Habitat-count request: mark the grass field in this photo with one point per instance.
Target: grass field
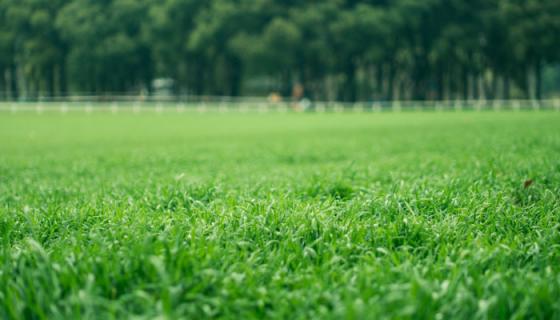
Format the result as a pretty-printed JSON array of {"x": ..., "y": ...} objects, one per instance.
[{"x": 292, "y": 216}]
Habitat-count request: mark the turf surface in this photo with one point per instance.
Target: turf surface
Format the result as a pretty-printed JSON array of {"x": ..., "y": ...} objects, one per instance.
[{"x": 298, "y": 216}]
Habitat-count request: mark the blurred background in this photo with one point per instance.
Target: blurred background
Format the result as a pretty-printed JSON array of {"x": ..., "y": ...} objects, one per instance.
[{"x": 328, "y": 50}]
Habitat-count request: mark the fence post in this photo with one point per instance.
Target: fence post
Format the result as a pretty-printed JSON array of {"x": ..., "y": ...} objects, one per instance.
[
  {"x": 114, "y": 107},
  {"x": 496, "y": 105},
  {"x": 88, "y": 109},
  {"x": 358, "y": 108},
  {"x": 64, "y": 108},
  {"x": 180, "y": 107},
  {"x": 458, "y": 105},
  {"x": 39, "y": 107},
  {"x": 136, "y": 107},
  {"x": 201, "y": 107},
  {"x": 536, "y": 104},
  {"x": 159, "y": 107},
  {"x": 439, "y": 105},
  {"x": 338, "y": 108},
  {"x": 222, "y": 108},
  {"x": 281, "y": 107},
  {"x": 479, "y": 104},
  {"x": 244, "y": 108},
  {"x": 376, "y": 107}
]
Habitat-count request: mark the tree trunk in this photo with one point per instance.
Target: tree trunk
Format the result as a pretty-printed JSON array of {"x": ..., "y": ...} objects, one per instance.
[
  {"x": 199, "y": 81},
  {"x": 14, "y": 90},
  {"x": 507, "y": 88},
  {"x": 3, "y": 91},
  {"x": 286, "y": 83},
  {"x": 465, "y": 83},
  {"x": 391, "y": 82},
  {"x": 350, "y": 82},
  {"x": 50, "y": 79},
  {"x": 420, "y": 76},
  {"x": 494, "y": 87},
  {"x": 440, "y": 83},
  {"x": 234, "y": 77},
  {"x": 475, "y": 87},
  {"x": 379, "y": 82},
  {"x": 525, "y": 82},
  {"x": 62, "y": 78},
  {"x": 538, "y": 80}
]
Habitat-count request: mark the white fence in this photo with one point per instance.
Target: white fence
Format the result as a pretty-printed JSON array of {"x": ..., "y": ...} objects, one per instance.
[{"x": 138, "y": 104}]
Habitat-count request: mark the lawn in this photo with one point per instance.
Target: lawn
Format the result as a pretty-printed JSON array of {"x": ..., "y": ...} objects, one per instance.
[{"x": 435, "y": 215}]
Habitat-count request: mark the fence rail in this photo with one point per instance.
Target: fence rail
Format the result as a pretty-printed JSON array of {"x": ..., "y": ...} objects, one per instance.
[{"x": 258, "y": 104}]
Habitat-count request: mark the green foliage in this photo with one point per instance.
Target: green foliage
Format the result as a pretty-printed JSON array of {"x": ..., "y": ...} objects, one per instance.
[
  {"x": 108, "y": 52},
  {"x": 402, "y": 216},
  {"x": 349, "y": 50}
]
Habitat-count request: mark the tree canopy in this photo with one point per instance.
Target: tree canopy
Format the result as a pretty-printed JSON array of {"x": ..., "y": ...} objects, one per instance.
[{"x": 336, "y": 49}]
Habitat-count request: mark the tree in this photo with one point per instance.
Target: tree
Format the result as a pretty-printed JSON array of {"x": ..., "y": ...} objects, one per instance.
[
  {"x": 337, "y": 49},
  {"x": 107, "y": 50},
  {"x": 38, "y": 51}
]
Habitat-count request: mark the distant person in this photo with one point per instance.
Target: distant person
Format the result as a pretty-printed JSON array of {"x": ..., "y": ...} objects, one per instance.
[
  {"x": 297, "y": 95},
  {"x": 274, "y": 97}
]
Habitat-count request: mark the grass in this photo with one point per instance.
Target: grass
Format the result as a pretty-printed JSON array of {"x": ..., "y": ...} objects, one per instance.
[{"x": 410, "y": 215}]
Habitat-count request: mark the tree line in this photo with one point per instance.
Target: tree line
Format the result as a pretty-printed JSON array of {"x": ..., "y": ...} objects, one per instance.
[{"x": 335, "y": 49}]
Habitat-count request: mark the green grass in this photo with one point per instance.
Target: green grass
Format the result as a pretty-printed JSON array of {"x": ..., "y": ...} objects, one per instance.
[{"x": 290, "y": 216}]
